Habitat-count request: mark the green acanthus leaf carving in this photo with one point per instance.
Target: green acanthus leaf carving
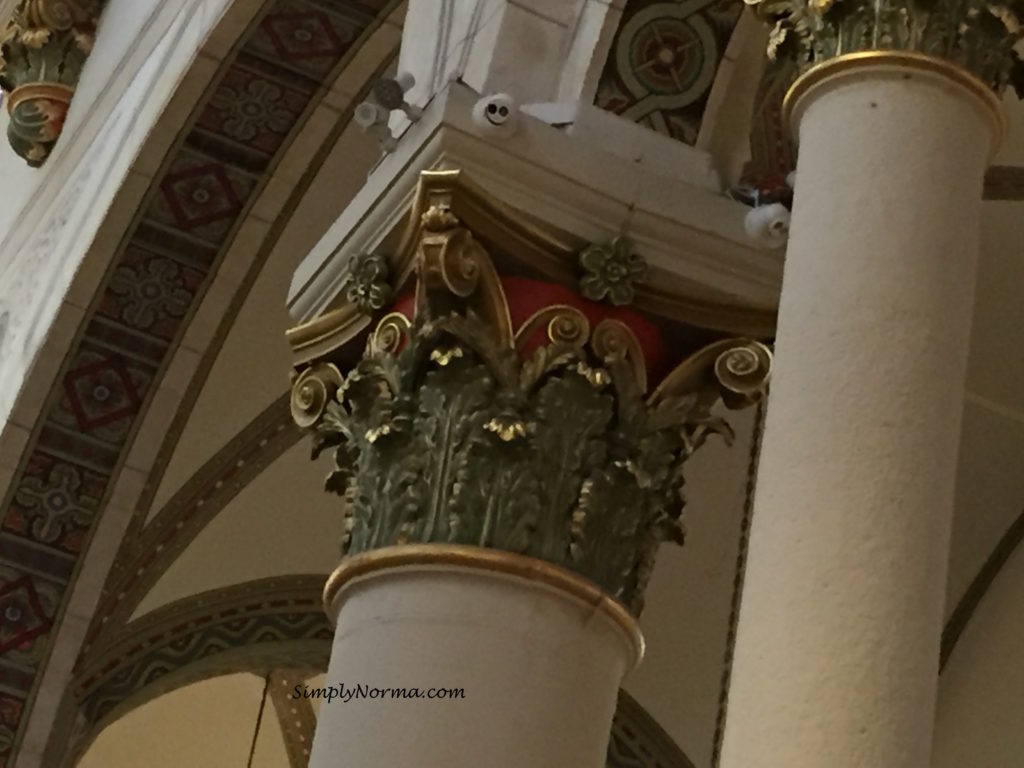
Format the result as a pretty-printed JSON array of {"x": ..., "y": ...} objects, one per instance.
[
  {"x": 976, "y": 35},
  {"x": 562, "y": 464},
  {"x": 448, "y": 431}
]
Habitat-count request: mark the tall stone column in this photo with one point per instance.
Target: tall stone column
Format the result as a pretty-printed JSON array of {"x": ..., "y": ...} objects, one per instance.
[
  {"x": 836, "y": 661},
  {"x": 509, "y": 451}
]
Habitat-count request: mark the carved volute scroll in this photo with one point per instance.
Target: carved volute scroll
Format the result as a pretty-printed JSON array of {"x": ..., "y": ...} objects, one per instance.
[
  {"x": 42, "y": 51},
  {"x": 537, "y": 437}
]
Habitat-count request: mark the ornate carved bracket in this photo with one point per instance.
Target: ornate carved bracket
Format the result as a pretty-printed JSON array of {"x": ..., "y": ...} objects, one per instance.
[
  {"x": 512, "y": 413},
  {"x": 42, "y": 51},
  {"x": 977, "y": 35}
]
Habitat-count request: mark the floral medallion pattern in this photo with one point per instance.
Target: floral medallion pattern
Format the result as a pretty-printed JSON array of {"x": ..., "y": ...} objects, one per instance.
[
  {"x": 156, "y": 279},
  {"x": 150, "y": 292},
  {"x": 610, "y": 271},
  {"x": 57, "y": 507},
  {"x": 663, "y": 63},
  {"x": 251, "y": 108},
  {"x": 367, "y": 285}
]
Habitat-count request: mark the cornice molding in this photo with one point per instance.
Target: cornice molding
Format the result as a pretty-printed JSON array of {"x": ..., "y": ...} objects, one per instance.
[
  {"x": 548, "y": 252},
  {"x": 565, "y": 184}
]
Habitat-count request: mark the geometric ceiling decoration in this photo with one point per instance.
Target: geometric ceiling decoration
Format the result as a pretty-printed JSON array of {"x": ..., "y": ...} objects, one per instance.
[
  {"x": 663, "y": 62},
  {"x": 257, "y": 627}
]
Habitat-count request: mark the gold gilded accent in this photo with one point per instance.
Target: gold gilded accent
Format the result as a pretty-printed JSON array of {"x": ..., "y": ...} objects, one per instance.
[
  {"x": 507, "y": 431},
  {"x": 490, "y": 560},
  {"x": 614, "y": 341},
  {"x": 451, "y": 262},
  {"x": 901, "y": 63},
  {"x": 44, "y": 91},
  {"x": 445, "y": 195},
  {"x": 439, "y": 218},
  {"x": 598, "y": 377},
  {"x": 737, "y": 370},
  {"x": 326, "y": 333},
  {"x": 375, "y": 434},
  {"x": 444, "y": 357},
  {"x": 312, "y": 391},
  {"x": 565, "y": 325},
  {"x": 391, "y": 331}
]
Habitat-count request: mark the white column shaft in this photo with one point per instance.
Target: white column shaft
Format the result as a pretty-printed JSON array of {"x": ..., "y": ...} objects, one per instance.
[
  {"x": 836, "y": 661},
  {"x": 539, "y": 671}
]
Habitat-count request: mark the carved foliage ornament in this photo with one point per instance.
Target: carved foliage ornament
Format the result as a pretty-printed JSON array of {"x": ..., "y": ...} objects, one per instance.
[
  {"x": 42, "y": 51},
  {"x": 610, "y": 271},
  {"x": 367, "y": 285},
  {"x": 450, "y": 431},
  {"x": 978, "y": 35}
]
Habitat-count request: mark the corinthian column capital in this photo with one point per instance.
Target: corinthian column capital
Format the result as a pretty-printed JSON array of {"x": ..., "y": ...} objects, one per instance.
[
  {"x": 976, "y": 36},
  {"x": 506, "y": 412},
  {"x": 43, "y": 48}
]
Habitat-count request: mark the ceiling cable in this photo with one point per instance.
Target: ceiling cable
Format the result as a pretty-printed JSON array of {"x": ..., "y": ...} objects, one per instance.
[{"x": 259, "y": 720}]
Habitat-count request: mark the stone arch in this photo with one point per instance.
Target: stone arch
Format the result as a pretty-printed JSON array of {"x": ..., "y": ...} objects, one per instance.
[{"x": 191, "y": 220}]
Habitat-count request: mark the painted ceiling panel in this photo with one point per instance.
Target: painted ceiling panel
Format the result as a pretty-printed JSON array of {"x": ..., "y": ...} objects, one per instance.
[
  {"x": 281, "y": 523},
  {"x": 663, "y": 63}
]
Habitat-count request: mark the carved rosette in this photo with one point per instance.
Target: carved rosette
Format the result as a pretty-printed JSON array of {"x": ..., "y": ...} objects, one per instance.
[
  {"x": 976, "y": 35},
  {"x": 42, "y": 51},
  {"x": 538, "y": 438}
]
